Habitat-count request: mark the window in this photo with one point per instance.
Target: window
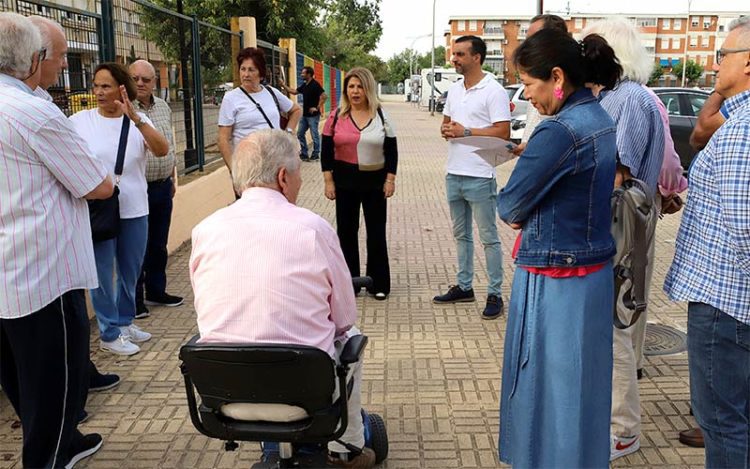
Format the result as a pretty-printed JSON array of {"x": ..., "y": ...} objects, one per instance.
[
  {"x": 707, "y": 23},
  {"x": 646, "y": 22},
  {"x": 694, "y": 21},
  {"x": 677, "y": 24},
  {"x": 704, "y": 41},
  {"x": 677, "y": 43},
  {"x": 579, "y": 23},
  {"x": 672, "y": 103},
  {"x": 473, "y": 25},
  {"x": 665, "y": 44},
  {"x": 665, "y": 23},
  {"x": 693, "y": 41},
  {"x": 696, "y": 102}
]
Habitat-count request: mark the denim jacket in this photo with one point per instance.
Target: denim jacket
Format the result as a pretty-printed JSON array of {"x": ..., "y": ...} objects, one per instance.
[{"x": 560, "y": 188}]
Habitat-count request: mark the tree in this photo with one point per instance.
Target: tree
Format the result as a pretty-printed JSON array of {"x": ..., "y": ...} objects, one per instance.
[
  {"x": 656, "y": 74},
  {"x": 400, "y": 64},
  {"x": 693, "y": 71}
]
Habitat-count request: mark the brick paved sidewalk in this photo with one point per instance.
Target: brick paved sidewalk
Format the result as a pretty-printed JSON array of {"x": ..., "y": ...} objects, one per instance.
[{"x": 433, "y": 372}]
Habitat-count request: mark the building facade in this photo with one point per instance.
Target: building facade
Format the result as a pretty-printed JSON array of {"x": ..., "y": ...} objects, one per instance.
[{"x": 668, "y": 39}]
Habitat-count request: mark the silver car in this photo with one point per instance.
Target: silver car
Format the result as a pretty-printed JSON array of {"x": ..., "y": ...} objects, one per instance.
[{"x": 518, "y": 102}]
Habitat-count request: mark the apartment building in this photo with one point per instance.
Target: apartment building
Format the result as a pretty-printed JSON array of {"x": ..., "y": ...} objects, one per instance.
[{"x": 668, "y": 39}]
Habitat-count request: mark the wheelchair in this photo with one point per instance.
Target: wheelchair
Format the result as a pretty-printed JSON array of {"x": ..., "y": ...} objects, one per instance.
[{"x": 278, "y": 394}]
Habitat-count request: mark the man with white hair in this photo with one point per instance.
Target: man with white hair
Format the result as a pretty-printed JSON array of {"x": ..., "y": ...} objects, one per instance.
[
  {"x": 161, "y": 175},
  {"x": 640, "y": 149},
  {"x": 711, "y": 267},
  {"x": 53, "y": 39},
  {"x": 295, "y": 289},
  {"x": 48, "y": 256}
]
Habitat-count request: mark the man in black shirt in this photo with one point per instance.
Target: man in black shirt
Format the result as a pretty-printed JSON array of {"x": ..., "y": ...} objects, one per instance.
[{"x": 314, "y": 99}]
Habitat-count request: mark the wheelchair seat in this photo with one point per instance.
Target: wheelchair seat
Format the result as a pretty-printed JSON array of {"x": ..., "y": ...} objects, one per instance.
[{"x": 267, "y": 392}]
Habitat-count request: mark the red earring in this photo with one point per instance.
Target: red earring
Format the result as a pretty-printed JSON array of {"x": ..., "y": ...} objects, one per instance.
[{"x": 558, "y": 93}]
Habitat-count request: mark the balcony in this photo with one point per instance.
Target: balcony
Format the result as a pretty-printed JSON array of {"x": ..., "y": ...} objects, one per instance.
[
  {"x": 495, "y": 53},
  {"x": 494, "y": 32}
]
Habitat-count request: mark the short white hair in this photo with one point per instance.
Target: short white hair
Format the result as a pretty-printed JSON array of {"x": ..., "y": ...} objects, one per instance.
[
  {"x": 259, "y": 157},
  {"x": 44, "y": 25},
  {"x": 21, "y": 40},
  {"x": 743, "y": 24},
  {"x": 146, "y": 64},
  {"x": 625, "y": 40}
]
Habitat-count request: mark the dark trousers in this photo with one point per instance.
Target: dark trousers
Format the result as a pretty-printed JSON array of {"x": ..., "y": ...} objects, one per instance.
[
  {"x": 374, "y": 207},
  {"x": 154, "y": 274},
  {"x": 44, "y": 371}
]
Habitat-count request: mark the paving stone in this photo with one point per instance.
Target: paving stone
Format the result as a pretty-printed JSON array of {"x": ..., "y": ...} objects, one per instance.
[{"x": 432, "y": 371}]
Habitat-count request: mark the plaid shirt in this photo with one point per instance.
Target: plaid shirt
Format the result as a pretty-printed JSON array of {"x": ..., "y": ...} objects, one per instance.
[
  {"x": 712, "y": 256},
  {"x": 160, "y": 114}
]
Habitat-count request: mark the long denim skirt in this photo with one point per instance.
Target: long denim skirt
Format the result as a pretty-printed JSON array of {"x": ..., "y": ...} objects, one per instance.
[{"x": 557, "y": 371}]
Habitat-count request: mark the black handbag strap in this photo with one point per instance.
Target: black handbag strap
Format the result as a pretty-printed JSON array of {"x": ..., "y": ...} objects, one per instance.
[
  {"x": 122, "y": 146},
  {"x": 268, "y": 121}
]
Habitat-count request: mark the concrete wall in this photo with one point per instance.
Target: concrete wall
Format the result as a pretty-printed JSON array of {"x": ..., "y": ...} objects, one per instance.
[{"x": 197, "y": 200}]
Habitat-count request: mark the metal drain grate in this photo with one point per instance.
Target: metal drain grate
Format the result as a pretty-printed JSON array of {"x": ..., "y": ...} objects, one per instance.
[{"x": 663, "y": 340}]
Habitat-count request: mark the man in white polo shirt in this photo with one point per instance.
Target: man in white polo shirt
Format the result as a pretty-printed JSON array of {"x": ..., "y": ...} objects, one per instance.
[{"x": 476, "y": 106}]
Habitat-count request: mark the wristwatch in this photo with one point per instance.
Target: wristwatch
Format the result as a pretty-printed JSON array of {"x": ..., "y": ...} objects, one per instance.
[
  {"x": 467, "y": 132},
  {"x": 139, "y": 124}
]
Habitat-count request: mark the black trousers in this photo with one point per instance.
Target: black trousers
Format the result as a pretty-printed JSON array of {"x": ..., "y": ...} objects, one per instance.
[
  {"x": 44, "y": 371},
  {"x": 374, "y": 206},
  {"x": 154, "y": 274}
]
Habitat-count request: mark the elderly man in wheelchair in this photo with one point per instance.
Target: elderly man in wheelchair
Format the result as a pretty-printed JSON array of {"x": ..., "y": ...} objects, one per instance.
[{"x": 278, "y": 358}]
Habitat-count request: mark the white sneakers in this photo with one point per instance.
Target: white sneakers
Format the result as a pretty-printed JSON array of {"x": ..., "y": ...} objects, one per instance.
[
  {"x": 124, "y": 345},
  {"x": 623, "y": 445}
]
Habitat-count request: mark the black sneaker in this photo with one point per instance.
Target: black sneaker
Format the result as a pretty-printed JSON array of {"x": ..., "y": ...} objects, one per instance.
[
  {"x": 455, "y": 295},
  {"x": 165, "y": 299},
  {"x": 314, "y": 158},
  {"x": 494, "y": 307},
  {"x": 83, "y": 447},
  {"x": 101, "y": 382},
  {"x": 82, "y": 417},
  {"x": 141, "y": 311}
]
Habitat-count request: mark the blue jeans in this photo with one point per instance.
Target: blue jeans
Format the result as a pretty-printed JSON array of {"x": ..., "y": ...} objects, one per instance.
[
  {"x": 719, "y": 363},
  {"x": 475, "y": 196},
  {"x": 115, "y": 309},
  {"x": 312, "y": 124}
]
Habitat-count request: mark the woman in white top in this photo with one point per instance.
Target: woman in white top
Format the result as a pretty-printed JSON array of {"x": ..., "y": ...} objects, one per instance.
[
  {"x": 114, "y": 303},
  {"x": 252, "y": 106}
]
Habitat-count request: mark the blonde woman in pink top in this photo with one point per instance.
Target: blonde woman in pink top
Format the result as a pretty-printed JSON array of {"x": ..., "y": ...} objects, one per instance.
[{"x": 359, "y": 160}]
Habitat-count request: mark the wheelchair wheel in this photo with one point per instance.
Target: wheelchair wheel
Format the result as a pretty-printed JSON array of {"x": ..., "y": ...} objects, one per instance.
[{"x": 378, "y": 437}]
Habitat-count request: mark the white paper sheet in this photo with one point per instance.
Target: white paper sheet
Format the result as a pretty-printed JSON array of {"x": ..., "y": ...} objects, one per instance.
[{"x": 493, "y": 150}]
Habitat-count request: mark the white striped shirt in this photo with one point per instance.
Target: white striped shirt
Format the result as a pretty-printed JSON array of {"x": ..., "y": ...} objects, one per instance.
[{"x": 45, "y": 234}]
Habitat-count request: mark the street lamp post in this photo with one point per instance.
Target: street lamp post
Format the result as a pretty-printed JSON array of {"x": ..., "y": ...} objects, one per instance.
[
  {"x": 432, "y": 87},
  {"x": 687, "y": 41},
  {"x": 411, "y": 53}
]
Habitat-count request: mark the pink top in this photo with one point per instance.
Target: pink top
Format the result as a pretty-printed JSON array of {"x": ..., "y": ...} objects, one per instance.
[
  {"x": 264, "y": 270},
  {"x": 671, "y": 180}
]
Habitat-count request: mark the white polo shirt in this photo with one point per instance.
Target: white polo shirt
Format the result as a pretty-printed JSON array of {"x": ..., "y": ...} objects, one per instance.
[{"x": 476, "y": 108}]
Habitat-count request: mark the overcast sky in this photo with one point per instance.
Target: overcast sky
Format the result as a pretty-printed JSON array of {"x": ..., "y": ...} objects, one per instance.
[{"x": 403, "y": 20}]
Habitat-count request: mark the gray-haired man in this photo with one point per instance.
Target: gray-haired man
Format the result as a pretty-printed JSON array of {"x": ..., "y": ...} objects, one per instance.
[{"x": 161, "y": 174}]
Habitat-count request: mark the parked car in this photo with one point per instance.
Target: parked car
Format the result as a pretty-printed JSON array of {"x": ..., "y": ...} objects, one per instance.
[
  {"x": 518, "y": 102},
  {"x": 440, "y": 102},
  {"x": 683, "y": 106},
  {"x": 517, "y": 128}
]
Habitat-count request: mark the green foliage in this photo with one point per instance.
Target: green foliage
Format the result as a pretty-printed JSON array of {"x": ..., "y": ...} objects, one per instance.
[
  {"x": 341, "y": 33},
  {"x": 693, "y": 72},
  {"x": 656, "y": 75},
  {"x": 398, "y": 65}
]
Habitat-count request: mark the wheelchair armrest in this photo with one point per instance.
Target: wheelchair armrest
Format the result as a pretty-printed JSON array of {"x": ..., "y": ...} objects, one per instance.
[{"x": 353, "y": 349}]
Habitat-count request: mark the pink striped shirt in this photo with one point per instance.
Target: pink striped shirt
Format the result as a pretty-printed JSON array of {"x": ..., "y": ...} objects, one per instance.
[
  {"x": 45, "y": 234},
  {"x": 671, "y": 180},
  {"x": 264, "y": 270}
]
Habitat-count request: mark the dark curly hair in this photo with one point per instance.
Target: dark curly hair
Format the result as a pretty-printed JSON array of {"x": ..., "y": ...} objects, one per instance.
[
  {"x": 258, "y": 58},
  {"x": 121, "y": 75}
]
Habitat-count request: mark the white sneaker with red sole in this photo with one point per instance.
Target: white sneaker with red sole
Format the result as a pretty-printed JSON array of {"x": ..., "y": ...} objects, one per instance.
[{"x": 623, "y": 445}]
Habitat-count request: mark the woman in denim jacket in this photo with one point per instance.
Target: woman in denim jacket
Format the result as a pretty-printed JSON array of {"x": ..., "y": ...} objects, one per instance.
[{"x": 557, "y": 369}]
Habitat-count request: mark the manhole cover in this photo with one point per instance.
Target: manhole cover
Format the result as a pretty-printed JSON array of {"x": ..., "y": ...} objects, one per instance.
[{"x": 663, "y": 340}]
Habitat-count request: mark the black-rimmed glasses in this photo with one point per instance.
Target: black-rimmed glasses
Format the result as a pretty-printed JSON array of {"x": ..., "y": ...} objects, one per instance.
[{"x": 722, "y": 52}]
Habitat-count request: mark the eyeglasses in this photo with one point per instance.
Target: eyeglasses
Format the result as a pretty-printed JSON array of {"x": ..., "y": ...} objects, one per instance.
[
  {"x": 42, "y": 54},
  {"x": 145, "y": 80},
  {"x": 722, "y": 52}
]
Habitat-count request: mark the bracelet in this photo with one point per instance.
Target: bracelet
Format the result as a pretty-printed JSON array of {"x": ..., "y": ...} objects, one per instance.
[
  {"x": 139, "y": 124},
  {"x": 392, "y": 182}
]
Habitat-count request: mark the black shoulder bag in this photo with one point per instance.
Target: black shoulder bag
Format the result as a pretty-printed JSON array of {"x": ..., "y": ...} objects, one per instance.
[
  {"x": 275, "y": 99},
  {"x": 105, "y": 214}
]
